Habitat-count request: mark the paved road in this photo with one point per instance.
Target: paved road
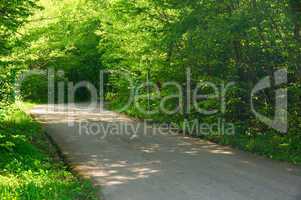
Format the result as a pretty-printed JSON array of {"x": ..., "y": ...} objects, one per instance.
[{"x": 156, "y": 166}]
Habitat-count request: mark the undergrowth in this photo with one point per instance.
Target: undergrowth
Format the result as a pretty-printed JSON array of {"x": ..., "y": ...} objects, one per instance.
[{"x": 29, "y": 168}]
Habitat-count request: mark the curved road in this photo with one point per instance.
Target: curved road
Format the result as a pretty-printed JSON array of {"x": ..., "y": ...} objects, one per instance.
[{"x": 133, "y": 161}]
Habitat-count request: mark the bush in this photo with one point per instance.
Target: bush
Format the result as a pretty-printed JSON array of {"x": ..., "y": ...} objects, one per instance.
[{"x": 35, "y": 88}]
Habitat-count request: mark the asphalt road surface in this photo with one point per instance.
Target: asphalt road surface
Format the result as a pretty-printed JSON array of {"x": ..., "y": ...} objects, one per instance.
[{"x": 131, "y": 160}]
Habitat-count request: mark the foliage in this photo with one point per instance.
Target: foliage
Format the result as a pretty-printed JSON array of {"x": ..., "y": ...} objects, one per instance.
[
  {"x": 34, "y": 88},
  {"x": 61, "y": 41},
  {"x": 27, "y": 171},
  {"x": 13, "y": 15}
]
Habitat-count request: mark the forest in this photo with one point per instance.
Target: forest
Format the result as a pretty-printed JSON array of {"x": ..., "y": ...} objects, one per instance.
[{"x": 228, "y": 42}]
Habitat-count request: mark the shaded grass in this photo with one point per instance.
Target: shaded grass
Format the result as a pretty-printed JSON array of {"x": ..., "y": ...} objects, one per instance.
[
  {"x": 29, "y": 168},
  {"x": 274, "y": 146}
]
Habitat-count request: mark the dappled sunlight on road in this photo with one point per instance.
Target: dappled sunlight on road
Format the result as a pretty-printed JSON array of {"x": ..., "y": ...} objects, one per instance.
[{"x": 116, "y": 173}]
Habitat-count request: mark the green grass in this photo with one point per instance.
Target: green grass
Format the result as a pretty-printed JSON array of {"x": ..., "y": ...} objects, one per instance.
[
  {"x": 29, "y": 168},
  {"x": 24, "y": 106},
  {"x": 271, "y": 145}
]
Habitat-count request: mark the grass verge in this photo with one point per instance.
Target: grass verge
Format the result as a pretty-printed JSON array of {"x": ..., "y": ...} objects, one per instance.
[{"x": 29, "y": 167}]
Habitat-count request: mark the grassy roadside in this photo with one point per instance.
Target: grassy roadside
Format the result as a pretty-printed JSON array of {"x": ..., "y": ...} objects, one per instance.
[{"x": 29, "y": 168}]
